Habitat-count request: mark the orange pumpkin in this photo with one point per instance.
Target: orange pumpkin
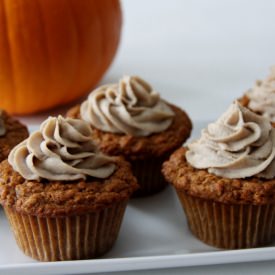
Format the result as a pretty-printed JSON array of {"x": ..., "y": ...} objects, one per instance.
[{"x": 53, "y": 51}]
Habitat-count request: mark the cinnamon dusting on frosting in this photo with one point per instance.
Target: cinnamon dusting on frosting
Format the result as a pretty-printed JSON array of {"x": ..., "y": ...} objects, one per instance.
[
  {"x": 61, "y": 150},
  {"x": 130, "y": 107},
  {"x": 262, "y": 96},
  {"x": 239, "y": 144}
]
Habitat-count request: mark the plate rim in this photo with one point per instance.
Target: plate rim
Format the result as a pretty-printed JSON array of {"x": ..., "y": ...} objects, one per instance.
[{"x": 144, "y": 262}]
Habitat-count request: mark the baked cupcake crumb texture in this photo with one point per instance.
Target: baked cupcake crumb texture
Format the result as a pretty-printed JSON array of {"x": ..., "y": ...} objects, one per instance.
[
  {"x": 133, "y": 147},
  {"x": 55, "y": 198},
  {"x": 200, "y": 183},
  {"x": 14, "y": 132}
]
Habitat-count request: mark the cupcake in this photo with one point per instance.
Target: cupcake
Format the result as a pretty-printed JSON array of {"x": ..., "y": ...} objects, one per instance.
[
  {"x": 261, "y": 98},
  {"x": 63, "y": 198},
  {"x": 130, "y": 119},
  {"x": 225, "y": 180},
  {"x": 11, "y": 133}
]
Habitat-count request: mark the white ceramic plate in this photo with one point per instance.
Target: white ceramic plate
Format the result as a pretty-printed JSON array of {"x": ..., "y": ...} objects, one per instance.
[{"x": 154, "y": 234}]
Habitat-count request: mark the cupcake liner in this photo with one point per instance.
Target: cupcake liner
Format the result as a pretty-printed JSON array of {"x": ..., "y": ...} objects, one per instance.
[
  {"x": 149, "y": 177},
  {"x": 229, "y": 226},
  {"x": 67, "y": 238}
]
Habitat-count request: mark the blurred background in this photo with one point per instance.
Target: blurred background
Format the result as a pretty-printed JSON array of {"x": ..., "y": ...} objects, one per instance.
[
  {"x": 200, "y": 54},
  {"x": 196, "y": 53}
]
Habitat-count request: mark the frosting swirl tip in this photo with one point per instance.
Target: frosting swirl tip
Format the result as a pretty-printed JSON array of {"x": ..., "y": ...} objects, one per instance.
[
  {"x": 62, "y": 149},
  {"x": 262, "y": 96},
  {"x": 239, "y": 144},
  {"x": 130, "y": 107}
]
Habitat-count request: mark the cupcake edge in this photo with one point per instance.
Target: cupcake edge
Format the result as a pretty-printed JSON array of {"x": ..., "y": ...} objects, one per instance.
[{"x": 218, "y": 215}]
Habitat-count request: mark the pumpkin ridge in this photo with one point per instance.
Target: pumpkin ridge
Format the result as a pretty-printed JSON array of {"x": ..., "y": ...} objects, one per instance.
[
  {"x": 48, "y": 45},
  {"x": 77, "y": 38},
  {"x": 102, "y": 37},
  {"x": 96, "y": 71},
  {"x": 8, "y": 39},
  {"x": 101, "y": 45},
  {"x": 45, "y": 39},
  {"x": 65, "y": 73},
  {"x": 109, "y": 49}
]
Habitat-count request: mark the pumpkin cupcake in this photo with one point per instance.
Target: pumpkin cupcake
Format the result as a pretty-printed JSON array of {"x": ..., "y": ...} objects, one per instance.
[
  {"x": 130, "y": 119},
  {"x": 64, "y": 199},
  {"x": 11, "y": 133},
  {"x": 225, "y": 180},
  {"x": 261, "y": 98}
]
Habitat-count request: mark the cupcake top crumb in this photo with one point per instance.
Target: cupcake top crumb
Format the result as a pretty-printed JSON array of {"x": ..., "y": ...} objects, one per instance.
[
  {"x": 130, "y": 107},
  {"x": 200, "y": 183},
  {"x": 133, "y": 147},
  {"x": 56, "y": 198},
  {"x": 13, "y": 134}
]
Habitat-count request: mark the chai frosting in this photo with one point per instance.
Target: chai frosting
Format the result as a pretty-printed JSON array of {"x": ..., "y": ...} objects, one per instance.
[
  {"x": 239, "y": 144},
  {"x": 2, "y": 125},
  {"x": 61, "y": 150},
  {"x": 262, "y": 96},
  {"x": 130, "y": 107}
]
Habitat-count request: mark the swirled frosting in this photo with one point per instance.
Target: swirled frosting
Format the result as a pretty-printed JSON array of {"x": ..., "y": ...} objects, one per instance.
[
  {"x": 262, "y": 96},
  {"x": 239, "y": 144},
  {"x": 2, "y": 125},
  {"x": 61, "y": 150},
  {"x": 130, "y": 107}
]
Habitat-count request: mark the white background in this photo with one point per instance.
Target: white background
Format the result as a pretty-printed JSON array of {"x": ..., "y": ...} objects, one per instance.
[{"x": 200, "y": 55}]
